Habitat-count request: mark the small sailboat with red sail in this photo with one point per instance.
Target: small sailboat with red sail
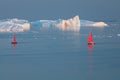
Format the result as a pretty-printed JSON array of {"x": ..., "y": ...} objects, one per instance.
[
  {"x": 14, "y": 40},
  {"x": 90, "y": 39}
]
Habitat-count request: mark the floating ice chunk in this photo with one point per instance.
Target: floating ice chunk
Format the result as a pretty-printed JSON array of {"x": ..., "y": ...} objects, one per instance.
[
  {"x": 109, "y": 36},
  {"x": 98, "y": 24},
  {"x": 92, "y": 23},
  {"x": 118, "y": 35},
  {"x": 70, "y": 24}
]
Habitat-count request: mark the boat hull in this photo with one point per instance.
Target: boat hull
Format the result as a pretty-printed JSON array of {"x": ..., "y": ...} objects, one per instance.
[
  {"x": 14, "y": 42},
  {"x": 91, "y": 43}
]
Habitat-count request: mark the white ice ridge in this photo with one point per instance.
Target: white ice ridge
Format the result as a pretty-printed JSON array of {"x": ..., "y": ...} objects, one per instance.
[
  {"x": 94, "y": 24},
  {"x": 72, "y": 24},
  {"x": 98, "y": 24},
  {"x": 14, "y": 25}
]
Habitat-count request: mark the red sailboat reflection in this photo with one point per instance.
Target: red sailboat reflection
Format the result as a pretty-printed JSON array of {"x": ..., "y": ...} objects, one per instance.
[
  {"x": 90, "y": 39},
  {"x": 90, "y": 60},
  {"x": 14, "y": 45},
  {"x": 90, "y": 47},
  {"x": 14, "y": 41}
]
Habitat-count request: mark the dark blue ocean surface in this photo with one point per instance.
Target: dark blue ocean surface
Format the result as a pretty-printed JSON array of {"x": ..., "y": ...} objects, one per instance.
[{"x": 51, "y": 54}]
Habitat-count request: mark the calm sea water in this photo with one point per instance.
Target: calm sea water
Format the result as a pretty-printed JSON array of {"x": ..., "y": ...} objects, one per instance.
[{"x": 61, "y": 55}]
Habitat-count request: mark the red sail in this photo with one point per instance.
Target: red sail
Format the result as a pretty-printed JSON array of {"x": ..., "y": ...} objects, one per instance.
[
  {"x": 14, "y": 39},
  {"x": 90, "y": 39}
]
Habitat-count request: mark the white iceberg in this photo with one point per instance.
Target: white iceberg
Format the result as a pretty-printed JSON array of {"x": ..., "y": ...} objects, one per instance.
[
  {"x": 14, "y": 25},
  {"x": 70, "y": 24}
]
